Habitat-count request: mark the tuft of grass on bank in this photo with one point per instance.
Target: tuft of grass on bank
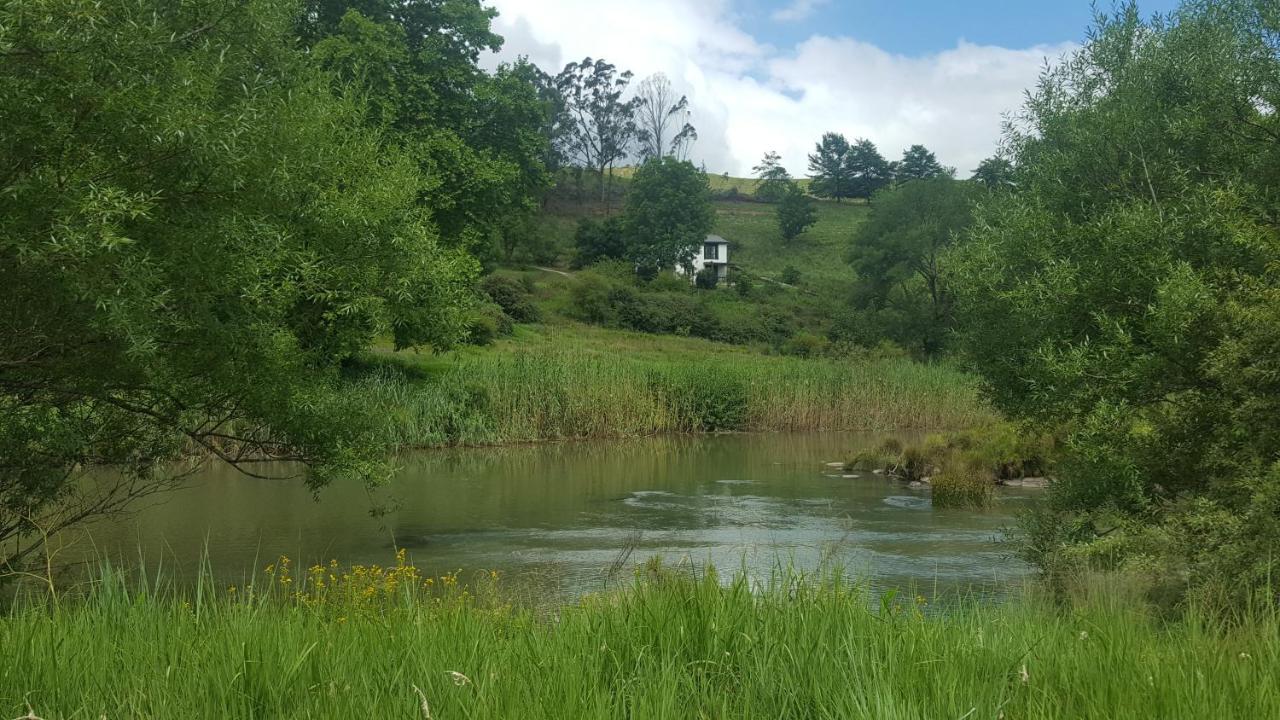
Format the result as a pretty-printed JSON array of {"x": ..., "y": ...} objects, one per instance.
[
  {"x": 673, "y": 646},
  {"x": 560, "y": 384}
]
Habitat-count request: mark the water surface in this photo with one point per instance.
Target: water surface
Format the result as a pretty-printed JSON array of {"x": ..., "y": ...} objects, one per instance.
[{"x": 564, "y": 519}]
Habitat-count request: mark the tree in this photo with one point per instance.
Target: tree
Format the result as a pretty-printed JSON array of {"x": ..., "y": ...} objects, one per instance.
[
  {"x": 596, "y": 241},
  {"x": 662, "y": 121},
  {"x": 775, "y": 181},
  {"x": 189, "y": 254},
  {"x": 829, "y": 170},
  {"x": 867, "y": 170},
  {"x": 899, "y": 255},
  {"x": 668, "y": 214},
  {"x": 1128, "y": 293},
  {"x": 994, "y": 173},
  {"x": 918, "y": 163},
  {"x": 601, "y": 124},
  {"x": 480, "y": 139},
  {"x": 796, "y": 213}
]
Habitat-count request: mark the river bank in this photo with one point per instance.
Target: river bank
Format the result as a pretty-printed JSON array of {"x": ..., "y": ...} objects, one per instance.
[
  {"x": 395, "y": 644},
  {"x": 557, "y": 383}
]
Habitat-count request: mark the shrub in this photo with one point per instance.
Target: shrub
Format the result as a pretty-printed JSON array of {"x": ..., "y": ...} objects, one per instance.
[
  {"x": 596, "y": 241},
  {"x": 805, "y": 345},
  {"x": 790, "y": 275},
  {"x": 707, "y": 279},
  {"x": 486, "y": 323},
  {"x": 744, "y": 285},
  {"x": 963, "y": 483},
  {"x": 591, "y": 297},
  {"x": 669, "y": 282},
  {"x": 512, "y": 296}
]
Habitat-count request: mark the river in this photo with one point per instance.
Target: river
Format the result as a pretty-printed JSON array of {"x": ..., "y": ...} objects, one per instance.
[{"x": 559, "y": 520}]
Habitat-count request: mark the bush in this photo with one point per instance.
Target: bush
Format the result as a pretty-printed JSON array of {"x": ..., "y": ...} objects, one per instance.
[
  {"x": 963, "y": 484},
  {"x": 486, "y": 323},
  {"x": 790, "y": 275},
  {"x": 669, "y": 282},
  {"x": 707, "y": 279},
  {"x": 596, "y": 241},
  {"x": 591, "y": 295},
  {"x": 512, "y": 296},
  {"x": 805, "y": 345},
  {"x": 743, "y": 284}
]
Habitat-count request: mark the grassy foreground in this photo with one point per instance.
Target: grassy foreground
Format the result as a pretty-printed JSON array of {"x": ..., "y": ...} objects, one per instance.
[
  {"x": 581, "y": 383},
  {"x": 399, "y": 646}
]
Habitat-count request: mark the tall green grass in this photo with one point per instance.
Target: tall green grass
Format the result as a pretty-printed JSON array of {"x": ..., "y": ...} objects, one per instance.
[
  {"x": 671, "y": 647},
  {"x": 569, "y": 393}
]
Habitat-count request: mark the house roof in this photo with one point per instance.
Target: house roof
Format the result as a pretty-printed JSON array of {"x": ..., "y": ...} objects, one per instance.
[{"x": 717, "y": 240}]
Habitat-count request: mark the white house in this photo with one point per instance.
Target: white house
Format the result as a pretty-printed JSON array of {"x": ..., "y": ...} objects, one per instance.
[{"x": 714, "y": 253}]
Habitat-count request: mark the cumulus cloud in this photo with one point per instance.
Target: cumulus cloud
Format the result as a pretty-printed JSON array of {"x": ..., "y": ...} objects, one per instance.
[
  {"x": 798, "y": 10},
  {"x": 749, "y": 97}
]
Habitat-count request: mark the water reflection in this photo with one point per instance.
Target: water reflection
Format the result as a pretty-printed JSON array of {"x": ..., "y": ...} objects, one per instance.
[{"x": 559, "y": 518}]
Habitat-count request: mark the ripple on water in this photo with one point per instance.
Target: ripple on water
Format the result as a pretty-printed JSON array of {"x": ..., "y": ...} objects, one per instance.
[{"x": 907, "y": 502}]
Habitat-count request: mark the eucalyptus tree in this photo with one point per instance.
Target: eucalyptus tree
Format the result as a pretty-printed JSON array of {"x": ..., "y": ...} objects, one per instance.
[
  {"x": 601, "y": 126},
  {"x": 662, "y": 120},
  {"x": 196, "y": 232}
]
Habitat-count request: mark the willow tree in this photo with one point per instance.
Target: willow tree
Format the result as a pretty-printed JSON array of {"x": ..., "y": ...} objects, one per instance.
[
  {"x": 1128, "y": 289},
  {"x": 196, "y": 231}
]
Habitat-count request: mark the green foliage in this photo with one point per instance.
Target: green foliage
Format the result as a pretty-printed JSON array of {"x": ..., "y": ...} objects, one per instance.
[
  {"x": 512, "y": 296},
  {"x": 899, "y": 255},
  {"x": 795, "y": 213},
  {"x": 195, "y": 232},
  {"x": 790, "y": 275},
  {"x": 596, "y": 241},
  {"x": 676, "y": 643},
  {"x": 1128, "y": 290},
  {"x": 963, "y": 485},
  {"x": 481, "y": 140},
  {"x": 805, "y": 345},
  {"x": 995, "y": 173},
  {"x": 668, "y": 214},
  {"x": 867, "y": 169},
  {"x": 707, "y": 278},
  {"x": 828, "y": 166},
  {"x": 598, "y": 126},
  {"x": 775, "y": 181},
  {"x": 919, "y": 163},
  {"x": 592, "y": 383},
  {"x": 486, "y": 322}
]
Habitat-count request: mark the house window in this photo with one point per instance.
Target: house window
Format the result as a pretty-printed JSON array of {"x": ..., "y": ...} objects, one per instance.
[{"x": 711, "y": 251}]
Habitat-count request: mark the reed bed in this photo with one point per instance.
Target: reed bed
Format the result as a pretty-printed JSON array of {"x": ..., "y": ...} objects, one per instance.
[
  {"x": 554, "y": 394},
  {"x": 393, "y": 645}
]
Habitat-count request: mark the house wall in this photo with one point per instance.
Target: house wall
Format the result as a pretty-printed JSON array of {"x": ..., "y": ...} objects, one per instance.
[{"x": 700, "y": 261}]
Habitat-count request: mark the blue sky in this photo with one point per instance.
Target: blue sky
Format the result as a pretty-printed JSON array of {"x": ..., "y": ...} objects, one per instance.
[
  {"x": 774, "y": 75},
  {"x": 914, "y": 27}
]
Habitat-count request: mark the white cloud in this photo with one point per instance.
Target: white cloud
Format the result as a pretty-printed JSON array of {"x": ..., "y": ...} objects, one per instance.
[
  {"x": 749, "y": 98},
  {"x": 798, "y": 10}
]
